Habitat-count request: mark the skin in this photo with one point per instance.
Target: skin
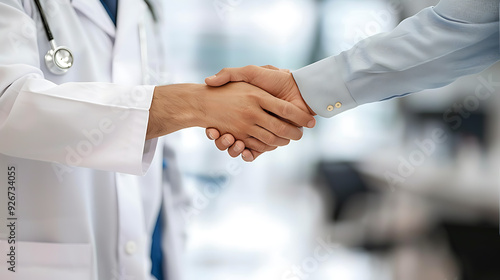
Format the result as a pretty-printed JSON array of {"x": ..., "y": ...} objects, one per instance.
[
  {"x": 247, "y": 112},
  {"x": 277, "y": 82}
]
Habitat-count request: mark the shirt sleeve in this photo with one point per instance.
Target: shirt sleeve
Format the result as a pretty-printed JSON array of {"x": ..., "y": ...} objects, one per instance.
[
  {"x": 429, "y": 50},
  {"x": 87, "y": 124}
]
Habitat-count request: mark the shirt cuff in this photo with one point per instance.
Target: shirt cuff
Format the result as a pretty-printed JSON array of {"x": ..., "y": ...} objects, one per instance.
[
  {"x": 323, "y": 89},
  {"x": 469, "y": 11},
  {"x": 149, "y": 145}
]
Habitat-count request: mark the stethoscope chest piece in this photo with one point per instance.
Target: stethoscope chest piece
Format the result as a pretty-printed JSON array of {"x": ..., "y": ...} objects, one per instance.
[{"x": 58, "y": 59}]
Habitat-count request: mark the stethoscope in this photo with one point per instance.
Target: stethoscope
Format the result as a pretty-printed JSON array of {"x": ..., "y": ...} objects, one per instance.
[{"x": 59, "y": 59}]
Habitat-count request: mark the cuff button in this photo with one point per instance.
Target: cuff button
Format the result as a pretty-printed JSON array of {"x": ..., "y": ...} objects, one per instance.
[
  {"x": 338, "y": 105},
  {"x": 329, "y": 108}
]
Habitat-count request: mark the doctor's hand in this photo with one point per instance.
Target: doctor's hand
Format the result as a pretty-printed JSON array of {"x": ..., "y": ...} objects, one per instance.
[
  {"x": 279, "y": 83},
  {"x": 243, "y": 110}
]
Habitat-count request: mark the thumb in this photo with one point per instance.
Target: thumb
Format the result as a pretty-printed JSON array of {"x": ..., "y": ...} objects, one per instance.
[
  {"x": 217, "y": 80},
  {"x": 270, "y": 67},
  {"x": 223, "y": 77},
  {"x": 227, "y": 75}
]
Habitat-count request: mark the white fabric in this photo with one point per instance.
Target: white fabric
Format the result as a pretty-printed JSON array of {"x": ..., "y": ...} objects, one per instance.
[{"x": 77, "y": 142}]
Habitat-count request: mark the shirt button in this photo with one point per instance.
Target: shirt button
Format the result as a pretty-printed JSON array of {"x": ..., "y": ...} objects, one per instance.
[
  {"x": 338, "y": 105},
  {"x": 130, "y": 247},
  {"x": 329, "y": 108}
]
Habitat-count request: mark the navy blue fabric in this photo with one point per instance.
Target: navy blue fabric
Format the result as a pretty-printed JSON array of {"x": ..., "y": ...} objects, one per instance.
[
  {"x": 156, "y": 252},
  {"x": 111, "y": 7}
]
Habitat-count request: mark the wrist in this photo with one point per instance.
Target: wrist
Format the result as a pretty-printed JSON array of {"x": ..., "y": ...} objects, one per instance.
[
  {"x": 296, "y": 87},
  {"x": 174, "y": 107}
]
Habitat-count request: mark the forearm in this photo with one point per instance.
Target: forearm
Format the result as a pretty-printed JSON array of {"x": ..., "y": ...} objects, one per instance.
[
  {"x": 428, "y": 50},
  {"x": 94, "y": 125}
]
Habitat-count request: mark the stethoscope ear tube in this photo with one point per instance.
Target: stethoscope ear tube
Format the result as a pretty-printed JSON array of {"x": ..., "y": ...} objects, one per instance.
[
  {"x": 58, "y": 59},
  {"x": 44, "y": 21}
]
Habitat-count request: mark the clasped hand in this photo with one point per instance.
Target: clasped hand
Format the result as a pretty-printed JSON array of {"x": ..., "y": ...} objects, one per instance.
[
  {"x": 242, "y": 110},
  {"x": 277, "y": 82}
]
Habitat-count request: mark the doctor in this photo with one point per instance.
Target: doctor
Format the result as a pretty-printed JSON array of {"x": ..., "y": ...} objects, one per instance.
[{"x": 78, "y": 126}]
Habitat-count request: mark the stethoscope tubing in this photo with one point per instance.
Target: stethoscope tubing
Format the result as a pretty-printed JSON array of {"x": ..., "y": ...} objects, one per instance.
[
  {"x": 44, "y": 21},
  {"x": 61, "y": 66}
]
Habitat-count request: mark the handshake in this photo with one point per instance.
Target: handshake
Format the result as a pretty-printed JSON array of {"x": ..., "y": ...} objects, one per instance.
[{"x": 248, "y": 110}]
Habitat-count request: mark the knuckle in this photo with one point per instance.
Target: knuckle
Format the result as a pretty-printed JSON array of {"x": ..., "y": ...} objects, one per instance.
[
  {"x": 248, "y": 113},
  {"x": 262, "y": 147},
  {"x": 282, "y": 129},
  {"x": 287, "y": 109},
  {"x": 226, "y": 72},
  {"x": 251, "y": 67},
  {"x": 257, "y": 145},
  {"x": 250, "y": 72},
  {"x": 271, "y": 139},
  {"x": 272, "y": 67}
]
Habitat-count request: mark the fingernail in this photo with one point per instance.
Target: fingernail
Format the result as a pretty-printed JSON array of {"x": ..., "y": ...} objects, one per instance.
[
  {"x": 212, "y": 77},
  {"x": 237, "y": 147},
  {"x": 248, "y": 158},
  {"x": 311, "y": 124},
  {"x": 210, "y": 136},
  {"x": 225, "y": 141},
  {"x": 245, "y": 157}
]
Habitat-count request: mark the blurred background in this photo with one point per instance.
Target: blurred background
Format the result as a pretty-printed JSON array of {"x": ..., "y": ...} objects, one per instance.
[{"x": 401, "y": 189}]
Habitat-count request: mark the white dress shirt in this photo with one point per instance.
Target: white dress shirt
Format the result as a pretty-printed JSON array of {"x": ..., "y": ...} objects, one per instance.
[{"x": 429, "y": 50}]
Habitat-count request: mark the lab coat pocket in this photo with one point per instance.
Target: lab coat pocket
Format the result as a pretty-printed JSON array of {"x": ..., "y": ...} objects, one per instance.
[{"x": 45, "y": 261}]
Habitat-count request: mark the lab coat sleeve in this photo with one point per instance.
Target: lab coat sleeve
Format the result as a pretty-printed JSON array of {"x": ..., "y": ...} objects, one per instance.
[
  {"x": 94, "y": 125},
  {"x": 429, "y": 50}
]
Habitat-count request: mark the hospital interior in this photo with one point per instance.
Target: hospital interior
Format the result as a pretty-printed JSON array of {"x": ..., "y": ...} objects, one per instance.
[{"x": 396, "y": 190}]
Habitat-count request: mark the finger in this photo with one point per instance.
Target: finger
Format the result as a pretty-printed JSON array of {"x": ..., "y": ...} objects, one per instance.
[
  {"x": 267, "y": 137},
  {"x": 212, "y": 133},
  {"x": 270, "y": 67},
  {"x": 218, "y": 79},
  {"x": 224, "y": 142},
  {"x": 226, "y": 75},
  {"x": 281, "y": 128},
  {"x": 276, "y": 68},
  {"x": 257, "y": 145},
  {"x": 287, "y": 111},
  {"x": 248, "y": 156},
  {"x": 236, "y": 149}
]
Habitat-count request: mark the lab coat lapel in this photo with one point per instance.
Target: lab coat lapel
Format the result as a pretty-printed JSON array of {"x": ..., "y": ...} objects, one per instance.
[
  {"x": 94, "y": 10},
  {"x": 127, "y": 52}
]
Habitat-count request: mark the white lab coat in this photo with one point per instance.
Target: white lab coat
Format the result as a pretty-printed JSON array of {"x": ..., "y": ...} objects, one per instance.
[{"x": 77, "y": 144}]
